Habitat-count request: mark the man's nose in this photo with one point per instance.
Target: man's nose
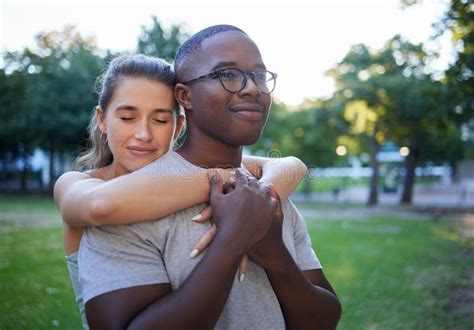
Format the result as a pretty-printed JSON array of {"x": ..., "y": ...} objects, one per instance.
[{"x": 250, "y": 87}]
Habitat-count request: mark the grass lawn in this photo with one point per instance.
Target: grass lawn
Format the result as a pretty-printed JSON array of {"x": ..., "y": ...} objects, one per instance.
[
  {"x": 391, "y": 273},
  {"x": 388, "y": 273}
]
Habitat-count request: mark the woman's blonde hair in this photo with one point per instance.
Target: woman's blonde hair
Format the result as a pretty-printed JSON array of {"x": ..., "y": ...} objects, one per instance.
[{"x": 135, "y": 66}]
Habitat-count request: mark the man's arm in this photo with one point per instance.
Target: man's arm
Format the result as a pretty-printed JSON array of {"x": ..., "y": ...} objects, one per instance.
[
  {"x": 306, "y": 298},
  {"x": 199, "y": 301}
]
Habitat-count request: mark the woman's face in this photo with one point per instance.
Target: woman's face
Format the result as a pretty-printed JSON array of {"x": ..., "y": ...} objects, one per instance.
[{"x": 140, "y": 123}]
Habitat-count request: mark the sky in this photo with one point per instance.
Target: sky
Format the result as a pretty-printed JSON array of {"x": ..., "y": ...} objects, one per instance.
[{"x": 300, "y": 39}]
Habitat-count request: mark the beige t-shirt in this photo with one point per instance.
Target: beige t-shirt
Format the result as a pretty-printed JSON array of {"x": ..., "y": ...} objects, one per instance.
[{"x": 116, "y": 257}]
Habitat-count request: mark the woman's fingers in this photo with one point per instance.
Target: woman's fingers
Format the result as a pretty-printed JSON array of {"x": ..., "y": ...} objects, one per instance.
[
  {"x": 204, "y": 241},
  {"x": 204, "y": 215},
  {"x": 243, "y": 267}
]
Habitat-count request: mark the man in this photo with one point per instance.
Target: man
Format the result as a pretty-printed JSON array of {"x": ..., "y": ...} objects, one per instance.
[{"x": 141, "y": 276}]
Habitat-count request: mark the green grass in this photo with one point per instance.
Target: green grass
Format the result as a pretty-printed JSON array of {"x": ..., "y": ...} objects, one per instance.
[
  {"x": 388, "y": 273},
  {"x": 391, "y": 273},
  {"x": 36, "y": 292}
]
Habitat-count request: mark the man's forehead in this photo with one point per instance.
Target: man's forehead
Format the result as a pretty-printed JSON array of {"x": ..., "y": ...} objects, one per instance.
[
  {"x": 225, "y": 40},
  {"x": 230, "y": 47}
]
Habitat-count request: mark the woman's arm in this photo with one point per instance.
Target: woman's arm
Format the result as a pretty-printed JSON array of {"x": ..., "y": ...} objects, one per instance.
[
  {"x": 84, "y": 200},
  {"x": 285, "y": 173}
]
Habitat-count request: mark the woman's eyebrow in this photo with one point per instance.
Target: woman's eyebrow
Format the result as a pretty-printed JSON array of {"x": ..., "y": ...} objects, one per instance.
[
  {"x": 126, "y": 107},
  {"x": 160, "y": 110}
]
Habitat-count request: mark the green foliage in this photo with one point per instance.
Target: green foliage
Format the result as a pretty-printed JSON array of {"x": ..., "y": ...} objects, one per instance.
[
  {"x": 309, "y": 133},
  {"x": 15, "y": 138},
  {"x": 49, "y": 97},
  {"x": 459, "y": 101},
  {"x": 459, "y": 19},
  {"x": 157, "y": 41},
  {"x": 390, "y": 94}
]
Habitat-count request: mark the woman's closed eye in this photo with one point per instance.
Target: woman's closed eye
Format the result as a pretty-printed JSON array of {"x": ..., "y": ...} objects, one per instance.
[
  {"x": 160, "y": 121},
  {"x": 126, "y": 118}
]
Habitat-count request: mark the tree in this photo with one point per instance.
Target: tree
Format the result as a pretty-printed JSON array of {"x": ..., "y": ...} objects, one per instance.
[
  {"x": 157, "y": 41},
  {"x": 363, "y": 99},
  {"x": 309, "y": 133},
  {"x": 390, "y": 94},
  {"x": 418, "y": 111},
  {"x": 459, "y": 20},
  {"x": 59, "y": 75},
  {"x": 16, "y": 140}
]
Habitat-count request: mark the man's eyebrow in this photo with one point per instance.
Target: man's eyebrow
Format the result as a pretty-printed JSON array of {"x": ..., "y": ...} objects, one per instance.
[
  {"x": 224, "y": 64},
  {"x": 227, "y": 64}
]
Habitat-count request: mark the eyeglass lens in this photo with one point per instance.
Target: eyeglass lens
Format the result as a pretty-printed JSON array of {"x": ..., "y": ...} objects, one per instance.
[{"x": 235, "y": 80}]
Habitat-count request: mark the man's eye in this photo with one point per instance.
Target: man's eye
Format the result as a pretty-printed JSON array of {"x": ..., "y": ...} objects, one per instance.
[
  {"x": 228, "y": 75},
  {"x": 261, "y": 76}
]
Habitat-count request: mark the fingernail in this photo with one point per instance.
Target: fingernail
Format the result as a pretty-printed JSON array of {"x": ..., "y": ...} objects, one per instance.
[
  {"x": 241, "y": 278},
  {"x": 194, "y": 253},
  {"x": 197, "y": 217}
]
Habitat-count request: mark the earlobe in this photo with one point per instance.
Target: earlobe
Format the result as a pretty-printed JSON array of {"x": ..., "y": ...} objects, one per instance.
[
  {"x": 182, "y": 95},
  {"x": 100, "y": 118},
  {"x": 179, "y": 126}
]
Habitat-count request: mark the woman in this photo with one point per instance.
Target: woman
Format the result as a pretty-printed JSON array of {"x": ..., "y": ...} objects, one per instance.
[{"x": 135, "y": 123}]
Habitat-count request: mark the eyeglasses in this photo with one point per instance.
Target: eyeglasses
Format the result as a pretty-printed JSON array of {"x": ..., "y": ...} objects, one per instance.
[{"x": 234, "y": 80}]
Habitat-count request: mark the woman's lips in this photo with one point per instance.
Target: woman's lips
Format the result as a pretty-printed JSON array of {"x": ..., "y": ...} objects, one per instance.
[{"x": 140, "y": 151}]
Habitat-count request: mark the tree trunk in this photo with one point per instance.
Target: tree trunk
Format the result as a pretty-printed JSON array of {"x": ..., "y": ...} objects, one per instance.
[
  {"x": 374, "y": 163},
  {"x": 24, "y": 173},
  {"x": 409, "y": 181},
  {"x": 60, "y": 161},
  {"x": 307, "y": 188},
  {"x": 52, "y": 169}
]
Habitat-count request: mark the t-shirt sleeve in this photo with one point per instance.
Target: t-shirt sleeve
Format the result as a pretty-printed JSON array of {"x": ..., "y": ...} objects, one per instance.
[
  {"x": 306, "y": 258},
  {"x": 118, "y": 257}
]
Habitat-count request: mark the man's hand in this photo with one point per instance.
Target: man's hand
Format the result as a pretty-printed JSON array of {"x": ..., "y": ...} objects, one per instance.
[
  {"x": 266, "y": 251},
  {"x": 248, "y": 210}
]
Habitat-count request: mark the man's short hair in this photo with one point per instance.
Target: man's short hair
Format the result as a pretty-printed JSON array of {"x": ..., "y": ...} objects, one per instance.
[{"x": 193, "y": 44}]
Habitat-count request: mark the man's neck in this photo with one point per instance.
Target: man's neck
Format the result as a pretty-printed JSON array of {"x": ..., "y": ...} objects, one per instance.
[{"x": 209, "y": 153}]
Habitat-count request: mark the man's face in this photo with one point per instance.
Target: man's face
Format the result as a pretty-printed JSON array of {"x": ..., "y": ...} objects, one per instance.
[{"x": 236, "y": 119}]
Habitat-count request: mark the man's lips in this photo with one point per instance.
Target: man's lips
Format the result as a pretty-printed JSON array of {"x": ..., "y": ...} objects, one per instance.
[{"x": 248, "y": 111}]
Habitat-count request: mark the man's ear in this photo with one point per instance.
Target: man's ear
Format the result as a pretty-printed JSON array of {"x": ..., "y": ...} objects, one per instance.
[
  {"x": 100, "y": 118},
  {"x": 182, "y": 95}
]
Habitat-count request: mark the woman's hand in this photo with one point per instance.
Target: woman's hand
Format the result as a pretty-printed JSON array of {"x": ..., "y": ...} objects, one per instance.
[
  {"x": 206, "y": 239},
  {"x": 228, "y": 178}
]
